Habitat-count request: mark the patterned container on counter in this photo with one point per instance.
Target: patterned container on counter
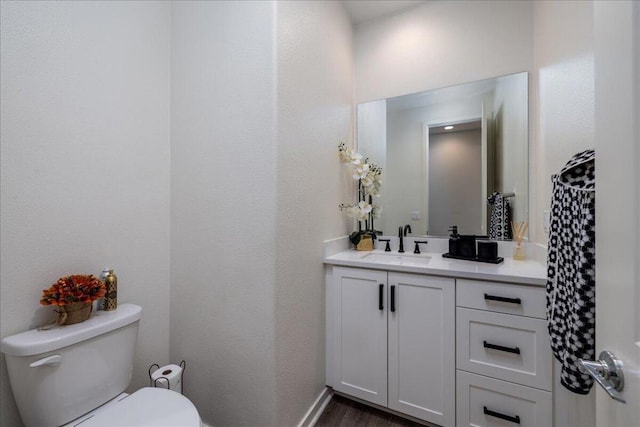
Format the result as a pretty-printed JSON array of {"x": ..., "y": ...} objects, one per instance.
[{"x": 111, "y": 298}]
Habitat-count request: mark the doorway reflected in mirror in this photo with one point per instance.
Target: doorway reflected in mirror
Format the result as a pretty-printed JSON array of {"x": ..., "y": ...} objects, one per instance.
[{"x": 432, "y": 184}]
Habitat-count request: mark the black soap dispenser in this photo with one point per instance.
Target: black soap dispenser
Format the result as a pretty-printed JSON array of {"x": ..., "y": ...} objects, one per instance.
[{"x": 454, "y": 239}]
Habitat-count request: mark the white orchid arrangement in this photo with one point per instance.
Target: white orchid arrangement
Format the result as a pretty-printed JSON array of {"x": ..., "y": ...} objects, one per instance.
[{"x": 369, "y": 177}]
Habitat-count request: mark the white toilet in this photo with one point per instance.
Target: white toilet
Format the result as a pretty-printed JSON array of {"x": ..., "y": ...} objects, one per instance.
[{"x": 75, "y": 375}]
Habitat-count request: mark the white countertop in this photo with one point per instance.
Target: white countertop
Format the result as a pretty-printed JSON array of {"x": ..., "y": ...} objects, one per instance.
[{"x": 526, "y": 272}]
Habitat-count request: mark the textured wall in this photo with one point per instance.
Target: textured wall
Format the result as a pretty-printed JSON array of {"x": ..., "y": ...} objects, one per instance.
[
  {"x": 223, "y": 207},
  {"x": 564, "y": 73},
  {"x": 314, "y": 113},
  {"x": 440, "y": 44},
  {"x": 247, "y": 279},
  {"x": 510, "y": 114},
  {"x": 85, "y": 161},
  {"x": 564, "y": 96}
]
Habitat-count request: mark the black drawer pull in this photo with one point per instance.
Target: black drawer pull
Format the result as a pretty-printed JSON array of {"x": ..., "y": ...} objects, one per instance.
[
  {"x": 515, "y": 419},
  {"x": 393, "y": 299},
  {"x": 380, "y": 296},
  {"x": 515, "y": 350},
  {"x": 502, "y": 299}
]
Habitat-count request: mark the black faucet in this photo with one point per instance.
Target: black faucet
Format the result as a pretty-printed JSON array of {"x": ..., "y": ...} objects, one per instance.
[
  {"x": 403, "y": 233},
  {"x": 418, "y": 242},
  {"x": 388, "y": 247}
]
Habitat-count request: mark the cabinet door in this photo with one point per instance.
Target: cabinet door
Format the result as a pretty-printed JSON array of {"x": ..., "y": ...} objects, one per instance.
[
  {"x": 422, "y": 347},
  {"x": 360, "y": 333}
]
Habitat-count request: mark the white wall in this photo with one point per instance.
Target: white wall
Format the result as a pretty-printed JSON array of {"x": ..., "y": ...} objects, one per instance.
[
  {"x": 85, "y": 161},
  {"x": 223, "y": 207},
  {"x": 440, "y": 44},
  {"x": 371, "y": 140},
  {"x": 510, "y": 113},
  {"x": 315, "y": 87},
  {"x": 93, "y": 84},
  {"x": 564, "y": 98},
  {"x": 256, "y": 182},
  {"x": 372, "y": 131}
]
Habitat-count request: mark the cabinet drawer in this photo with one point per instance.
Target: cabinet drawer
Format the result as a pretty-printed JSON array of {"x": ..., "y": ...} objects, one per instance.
[
  {"x": 485, "y": 402},
  {"x": 502, "y": 297},
  {"x": 512, "y": 348}
]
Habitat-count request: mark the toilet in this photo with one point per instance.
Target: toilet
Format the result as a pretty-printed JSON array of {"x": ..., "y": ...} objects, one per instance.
[{"x": 75, "y": 375}]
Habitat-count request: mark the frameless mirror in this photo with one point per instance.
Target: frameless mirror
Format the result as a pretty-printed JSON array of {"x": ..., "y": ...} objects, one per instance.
[{"x": 444, "y": 152}]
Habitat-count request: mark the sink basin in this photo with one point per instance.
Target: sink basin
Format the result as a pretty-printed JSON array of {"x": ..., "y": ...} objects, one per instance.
[{"x": 396, "y": 258}]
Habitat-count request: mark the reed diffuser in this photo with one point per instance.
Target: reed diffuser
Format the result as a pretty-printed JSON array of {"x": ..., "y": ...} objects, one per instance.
[{"x": 519, "y": 230}]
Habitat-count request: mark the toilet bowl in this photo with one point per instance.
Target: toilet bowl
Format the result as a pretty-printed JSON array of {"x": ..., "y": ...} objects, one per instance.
[{"x": 75, "y": 375}]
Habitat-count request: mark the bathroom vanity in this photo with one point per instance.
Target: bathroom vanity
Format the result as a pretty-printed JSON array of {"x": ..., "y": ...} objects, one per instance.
[{"x": 451, "y": 342}]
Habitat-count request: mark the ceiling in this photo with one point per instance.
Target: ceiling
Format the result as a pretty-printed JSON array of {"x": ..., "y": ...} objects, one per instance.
[{"x": 365, "y": 10}]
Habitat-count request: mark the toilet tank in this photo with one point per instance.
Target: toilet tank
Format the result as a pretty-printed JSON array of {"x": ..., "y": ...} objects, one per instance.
[{"x": 63, "y": 372}]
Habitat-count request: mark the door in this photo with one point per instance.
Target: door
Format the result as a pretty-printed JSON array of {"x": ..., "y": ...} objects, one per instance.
[
  {"x": 617, "y": 118},
  {"x": 421, "y": 347},
  {"x": 360, "y": 333}
]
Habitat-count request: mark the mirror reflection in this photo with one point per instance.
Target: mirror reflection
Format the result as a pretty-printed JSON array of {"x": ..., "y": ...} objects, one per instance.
[{"x": 451, "y": 156}]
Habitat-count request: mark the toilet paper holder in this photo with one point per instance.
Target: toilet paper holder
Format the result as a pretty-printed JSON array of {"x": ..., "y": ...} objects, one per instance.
[{"x": 160, "y": 381}]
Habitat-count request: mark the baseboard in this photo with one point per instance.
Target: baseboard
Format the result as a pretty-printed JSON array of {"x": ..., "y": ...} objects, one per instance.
[{"x": 314, "y": 412}]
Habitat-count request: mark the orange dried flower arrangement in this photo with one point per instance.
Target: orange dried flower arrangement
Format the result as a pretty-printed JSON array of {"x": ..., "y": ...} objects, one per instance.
[
  {"x": 74, "y": 288},
  {"x": 73, "y": 295}
]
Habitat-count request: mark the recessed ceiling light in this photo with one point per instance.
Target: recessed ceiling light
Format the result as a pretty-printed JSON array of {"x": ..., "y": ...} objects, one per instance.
[{"x": 448, "y": 127}]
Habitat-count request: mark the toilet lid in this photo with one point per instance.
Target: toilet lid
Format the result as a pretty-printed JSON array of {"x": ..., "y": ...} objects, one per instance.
[{"x": 148, "y": 407}]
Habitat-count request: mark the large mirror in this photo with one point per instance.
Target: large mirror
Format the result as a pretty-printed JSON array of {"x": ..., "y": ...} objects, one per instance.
[{"x": 451, "y": 156}]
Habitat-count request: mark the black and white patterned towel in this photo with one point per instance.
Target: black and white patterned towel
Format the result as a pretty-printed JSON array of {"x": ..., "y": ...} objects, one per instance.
[
  {"x": 571, "y": 269},
  {"x": 500, "y": 221}
]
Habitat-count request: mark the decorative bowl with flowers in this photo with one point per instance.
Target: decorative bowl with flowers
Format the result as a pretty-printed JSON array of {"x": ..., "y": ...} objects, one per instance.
[{"x": 73, "y": 295}]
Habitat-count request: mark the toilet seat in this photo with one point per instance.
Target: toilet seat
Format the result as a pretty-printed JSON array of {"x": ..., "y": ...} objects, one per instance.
[{"x": 148, "y": 407}]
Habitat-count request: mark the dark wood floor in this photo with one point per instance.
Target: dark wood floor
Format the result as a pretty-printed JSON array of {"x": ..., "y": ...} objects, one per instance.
[{"x": 346, "y": 413}]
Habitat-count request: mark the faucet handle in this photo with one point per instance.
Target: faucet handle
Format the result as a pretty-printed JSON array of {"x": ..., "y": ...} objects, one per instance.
[
  {"x": 417, "y": 242},
  {"x": 387, "y": 248}
]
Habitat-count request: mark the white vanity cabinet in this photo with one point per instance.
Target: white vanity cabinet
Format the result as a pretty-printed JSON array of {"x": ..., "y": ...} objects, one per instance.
[
  {"x": 360, "y": 333},
  {"x": 503, "y": 360},
  {"x": 393, "y": 341},
  {"x": 421, "y": 327},
  {"x": 454, "y": 343}
]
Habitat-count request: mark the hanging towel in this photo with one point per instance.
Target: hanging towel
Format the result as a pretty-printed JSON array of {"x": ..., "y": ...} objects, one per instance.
[
  {"x": 500, "y": 221},
  {"x": 571, "y": 269}
]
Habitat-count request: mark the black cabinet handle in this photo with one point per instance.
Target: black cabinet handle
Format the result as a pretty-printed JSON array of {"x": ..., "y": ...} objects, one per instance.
[
  {"x": 502, "y": 299},
  {"x": 515, "y": 350},
  {"x": 393, "y": 299},
  {"x": 380, "y": 296},
  {"x": 515, "y": 419}
]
